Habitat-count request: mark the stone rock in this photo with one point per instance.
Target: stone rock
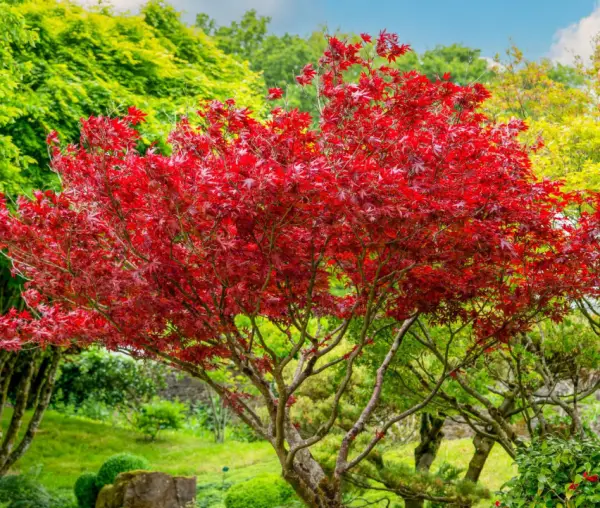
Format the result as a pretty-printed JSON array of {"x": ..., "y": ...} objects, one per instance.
[{"x": 143, "y": 489}]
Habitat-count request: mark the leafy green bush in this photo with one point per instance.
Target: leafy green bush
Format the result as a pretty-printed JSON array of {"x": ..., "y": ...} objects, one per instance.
[
  {"x": 96, "y": 381},
  {"x": 264, "y": 491},
  {"x": 244, "y": 434},
  {"x": 86, "y": 490},
  {"x": 555, "y": 473},
  {"x": 25, "y": 491},
  {"x": 117, "y": 464},
  {"x": 159, "y": 415}
]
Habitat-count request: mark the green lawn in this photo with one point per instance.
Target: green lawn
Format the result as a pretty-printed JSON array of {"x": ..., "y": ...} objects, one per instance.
[{"x": 67, "y": 446}]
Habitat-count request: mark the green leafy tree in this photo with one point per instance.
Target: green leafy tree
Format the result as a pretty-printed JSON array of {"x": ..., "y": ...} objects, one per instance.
[
  {"x": 61, "y": 62},
  {"x": 243, "y": 38},
  {"x": 15, "y": 37},
  {"x": 465, "y": 65},
  {"x": 159, "y": 415},
  {"x": 560, "y": 106},
  {"x": 280, "y": 58},
  {"x": 113, "y": 379}
]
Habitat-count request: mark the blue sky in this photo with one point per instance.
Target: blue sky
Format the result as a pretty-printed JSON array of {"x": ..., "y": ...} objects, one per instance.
[
  {"x": 556, "y": 28},
  {"x": 486, "y": 24}
]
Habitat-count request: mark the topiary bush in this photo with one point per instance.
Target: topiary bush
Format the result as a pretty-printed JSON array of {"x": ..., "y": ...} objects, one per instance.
[
  {"x": 86, "y": 490},
  {"x": 555, "y": 473},
  {"x": 264, "y": 491},
  {"x": 117, "y": 464}
]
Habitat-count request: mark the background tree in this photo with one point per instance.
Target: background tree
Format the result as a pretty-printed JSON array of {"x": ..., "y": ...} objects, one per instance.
[
  {"x": 115, "y": 380},
  {"x": 61, "y": 63},
  {"x": 517, "y": 391},
  {"x": 465, "y": 65},
  {"x": 279, "y": 58},
  {"x": 14, "y": 34},
  {"x": 560, "y": 106}
]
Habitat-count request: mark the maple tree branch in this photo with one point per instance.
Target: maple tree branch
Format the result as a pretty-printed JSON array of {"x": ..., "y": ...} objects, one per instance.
[
  {"x": 342, "y": 468},
  {"x": 360, "y": 423}
]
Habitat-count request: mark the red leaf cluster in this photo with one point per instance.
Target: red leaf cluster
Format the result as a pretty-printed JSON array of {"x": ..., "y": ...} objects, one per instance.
[{"x": 404, "y": 191}]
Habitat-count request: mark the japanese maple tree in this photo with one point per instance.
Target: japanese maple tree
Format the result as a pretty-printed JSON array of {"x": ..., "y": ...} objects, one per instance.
[{"x": 404, "y": 198}]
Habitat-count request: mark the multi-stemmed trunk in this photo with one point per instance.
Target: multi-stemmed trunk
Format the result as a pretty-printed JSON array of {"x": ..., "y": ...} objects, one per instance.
[
  {"x": 34, "y": 374},
  {"x": 305, "y": 474},
  {"x": 312, "y": 484}
]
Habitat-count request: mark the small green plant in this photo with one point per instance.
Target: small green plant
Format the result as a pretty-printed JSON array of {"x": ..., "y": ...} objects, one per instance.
[
  {"x": 159, "y": 415},
  {"x": 264, "y": 491},
  {"x": 25, "y": 491},
  {"x": 86, "y": 490},
  {"x": 117, "y": 464},
  {"x": 555, "y": 473}
]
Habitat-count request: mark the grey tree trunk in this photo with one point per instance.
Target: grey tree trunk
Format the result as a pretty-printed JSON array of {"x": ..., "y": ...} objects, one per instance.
[
  {"x": 483, "y": 447},
  {"x": 431, "y": 436}
]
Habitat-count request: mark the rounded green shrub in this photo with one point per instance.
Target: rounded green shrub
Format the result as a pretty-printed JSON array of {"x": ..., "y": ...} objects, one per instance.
[
  {"x": 264, "y": 491},
  {"x": 86, "y": 490},
  {"x": 117, "y": 464}
]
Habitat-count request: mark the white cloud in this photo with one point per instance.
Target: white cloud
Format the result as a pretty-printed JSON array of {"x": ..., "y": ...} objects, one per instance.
[
  {"x": 492, "y": 64},
  {"x": 576, "y": 40}
]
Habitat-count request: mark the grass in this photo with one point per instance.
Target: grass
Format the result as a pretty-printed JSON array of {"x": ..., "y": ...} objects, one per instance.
[
  {"x": 65, "y": 447},
  {"x": 498, "y": 469}
]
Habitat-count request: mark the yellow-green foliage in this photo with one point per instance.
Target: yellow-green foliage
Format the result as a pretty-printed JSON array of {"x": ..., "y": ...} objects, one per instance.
[
  {"x": 571, "y": 151},
  {"x": 562, "y": 113},
  {"x": 63, "y": 62},
  {"x": 13, "y": 37},
  {"x": 530, "y": 90}
]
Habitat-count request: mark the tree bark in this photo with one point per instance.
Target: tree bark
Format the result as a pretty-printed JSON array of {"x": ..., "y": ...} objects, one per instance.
[
  {"x": 316, "y": 490},
  {"x": 431, "y": 439},
  {"x": 483, "y": 444},
  {"x": 483, "y": 447},
  {"x": 43, "y": 371},
  {"x": 5, "y": 378},
  {"x": 431, "y": 436},
  {"x": 307, "y": 477},
  {"x": 413, "y": 503}
]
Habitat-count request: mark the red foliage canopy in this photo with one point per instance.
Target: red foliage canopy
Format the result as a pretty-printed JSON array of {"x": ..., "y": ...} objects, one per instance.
[{"x": 404, "y": 192}]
